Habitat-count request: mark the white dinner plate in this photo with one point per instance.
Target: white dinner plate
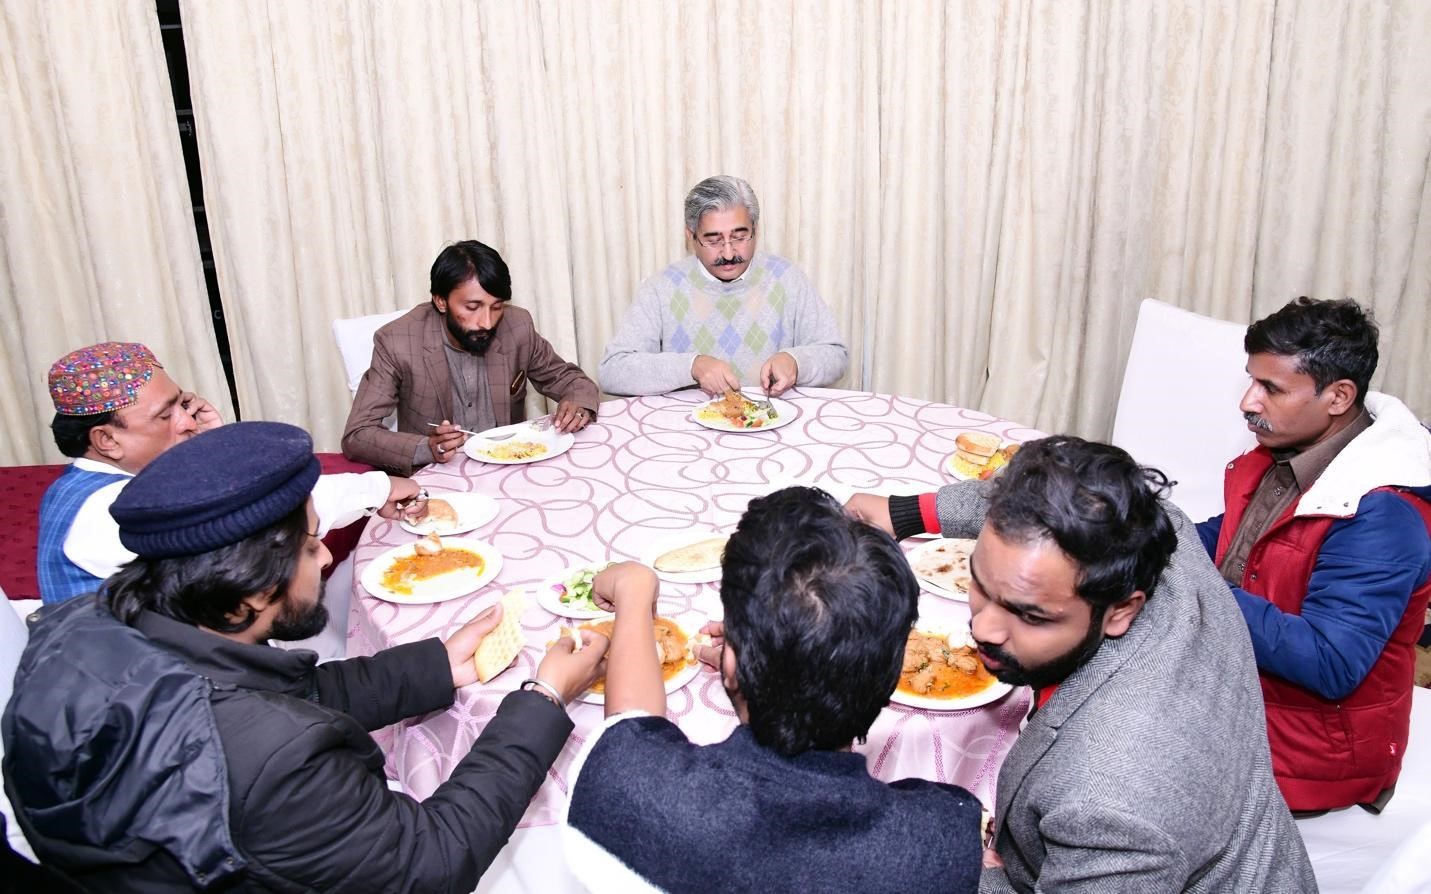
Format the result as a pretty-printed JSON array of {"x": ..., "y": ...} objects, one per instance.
[
  {"x": 436, "y": 589},
  {"x": 785, "y": 414},
  {"x": 473, "y": 511},
  {"x": 676, "y": 541},
  {"x": 550, "y": 599},
  {"x": 993, "y": 693},
  {"x": 487, "y": 446},
  {"x": 932, "y": 549}
]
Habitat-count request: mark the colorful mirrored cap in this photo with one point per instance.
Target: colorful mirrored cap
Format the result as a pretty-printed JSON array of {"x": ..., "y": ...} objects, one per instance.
[{"x": 100, "y": 378}]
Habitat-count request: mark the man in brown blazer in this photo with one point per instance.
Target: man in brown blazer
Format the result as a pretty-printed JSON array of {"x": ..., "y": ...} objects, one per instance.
[{"x": 461, "y": 361}]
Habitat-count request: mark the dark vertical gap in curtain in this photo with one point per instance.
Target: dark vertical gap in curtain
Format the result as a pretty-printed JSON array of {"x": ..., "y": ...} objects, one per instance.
[{"x": 171, "y": 30}]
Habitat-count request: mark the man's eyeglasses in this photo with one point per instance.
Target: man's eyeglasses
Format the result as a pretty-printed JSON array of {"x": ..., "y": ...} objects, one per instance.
[{"x": 736, "y": 239}]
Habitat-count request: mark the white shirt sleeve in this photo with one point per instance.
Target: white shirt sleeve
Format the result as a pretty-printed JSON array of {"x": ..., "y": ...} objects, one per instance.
[
  {"x": 93, "y": 540},
  {"x": 340, "y": 500}
]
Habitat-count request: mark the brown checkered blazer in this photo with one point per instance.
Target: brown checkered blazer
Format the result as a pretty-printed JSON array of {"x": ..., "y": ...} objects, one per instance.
[{"x": 409, "y": 374}]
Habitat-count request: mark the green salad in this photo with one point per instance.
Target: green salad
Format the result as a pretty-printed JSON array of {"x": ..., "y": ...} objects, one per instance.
[{"x": 575, "y": 591}]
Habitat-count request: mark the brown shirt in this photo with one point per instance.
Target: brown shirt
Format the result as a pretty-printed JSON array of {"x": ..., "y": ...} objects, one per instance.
[{"x": 1292, "y": 475}]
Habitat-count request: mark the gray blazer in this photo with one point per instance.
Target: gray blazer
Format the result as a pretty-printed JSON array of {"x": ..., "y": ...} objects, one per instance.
[{"x": 1148, "y": 770}]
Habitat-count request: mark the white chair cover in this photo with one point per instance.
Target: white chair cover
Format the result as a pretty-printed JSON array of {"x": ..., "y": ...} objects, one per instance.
[
  {"x": 1355, "y": 852},
  {"x": 355, "y": 343},
  {"x": 1177, "y": 410}
]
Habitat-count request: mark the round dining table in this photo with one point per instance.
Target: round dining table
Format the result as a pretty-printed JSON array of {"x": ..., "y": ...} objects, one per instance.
[{"x": 642, "y": 472}]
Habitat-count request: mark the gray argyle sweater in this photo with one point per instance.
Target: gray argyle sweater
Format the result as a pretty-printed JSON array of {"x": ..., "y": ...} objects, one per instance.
[{"x": 681, "y": 312}]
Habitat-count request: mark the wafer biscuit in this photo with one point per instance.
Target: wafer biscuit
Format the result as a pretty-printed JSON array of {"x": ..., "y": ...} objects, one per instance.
[{"x": 499, "y": 647}]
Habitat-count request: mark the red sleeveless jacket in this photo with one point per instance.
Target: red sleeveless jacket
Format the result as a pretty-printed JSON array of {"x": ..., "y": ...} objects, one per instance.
[{"x": 1325, "y": 753}]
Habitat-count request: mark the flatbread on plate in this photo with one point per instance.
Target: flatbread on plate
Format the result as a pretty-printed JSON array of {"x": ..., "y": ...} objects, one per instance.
[{"x": 944, "y": 563}]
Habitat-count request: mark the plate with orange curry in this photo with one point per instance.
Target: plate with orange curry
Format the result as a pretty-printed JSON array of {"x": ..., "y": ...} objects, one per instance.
[
  {"x": 431, "y": 570},
  {"x": 942, "y": 674},
  {"x": 673, "y": 647}
]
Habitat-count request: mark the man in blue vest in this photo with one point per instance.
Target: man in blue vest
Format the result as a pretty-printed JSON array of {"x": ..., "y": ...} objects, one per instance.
[{"x": 115, "y": 411}]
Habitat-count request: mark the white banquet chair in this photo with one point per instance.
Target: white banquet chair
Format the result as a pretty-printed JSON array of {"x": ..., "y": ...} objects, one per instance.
[
  {"x": 1356, "y": 852},
  {"x": 1177, "y": 410},
  {"x": 355, "y": 343}
]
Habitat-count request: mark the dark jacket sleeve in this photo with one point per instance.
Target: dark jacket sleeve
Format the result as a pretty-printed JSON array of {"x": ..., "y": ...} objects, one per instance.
[
  {"x": 396, "y": 683},
  {"x": 318, "y": 818},
  {"x": 1364, "y": 575}
]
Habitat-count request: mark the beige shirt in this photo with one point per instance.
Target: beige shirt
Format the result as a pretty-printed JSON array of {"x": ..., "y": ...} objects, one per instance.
[{"x": 1292, "y": 475}]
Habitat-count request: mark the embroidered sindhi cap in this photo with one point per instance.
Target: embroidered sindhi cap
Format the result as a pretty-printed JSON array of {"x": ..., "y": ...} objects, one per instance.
[
  {"x": 216, "y": 488},
  {"x": 101, "y": 378}
]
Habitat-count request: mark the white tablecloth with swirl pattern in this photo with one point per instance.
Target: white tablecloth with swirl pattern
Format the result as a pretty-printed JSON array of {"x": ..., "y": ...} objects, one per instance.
[{"x": 644, "y": 470}]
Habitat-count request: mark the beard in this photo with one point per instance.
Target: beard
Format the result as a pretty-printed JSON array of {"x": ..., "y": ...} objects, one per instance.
[
  {"x": 1053, "y": 671},
  {"x": 473, "y": 341},
  {"x": 295, "y": 623}
]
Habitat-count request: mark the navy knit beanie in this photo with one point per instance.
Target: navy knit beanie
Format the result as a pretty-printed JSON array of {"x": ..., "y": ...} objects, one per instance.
[{"x": 215, "y": 489}]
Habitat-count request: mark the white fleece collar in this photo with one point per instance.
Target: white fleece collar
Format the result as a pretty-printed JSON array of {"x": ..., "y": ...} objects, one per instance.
[{"x": 1395, "y": 451}]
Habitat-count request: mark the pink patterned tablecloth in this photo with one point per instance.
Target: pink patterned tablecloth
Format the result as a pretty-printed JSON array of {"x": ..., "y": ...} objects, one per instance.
[{"x": 642, "y": 471}]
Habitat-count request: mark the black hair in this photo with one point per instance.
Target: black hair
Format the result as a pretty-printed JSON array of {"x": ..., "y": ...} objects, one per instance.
[
  {"x": 461, "y": 261},
  {"x": 818, "y": 607},
  {"x": 1332, "y": 340},
  {"x": 1101, "y": 508},
  {"x": 208, "y": 590},
  {"x": 72, "y": 432}
]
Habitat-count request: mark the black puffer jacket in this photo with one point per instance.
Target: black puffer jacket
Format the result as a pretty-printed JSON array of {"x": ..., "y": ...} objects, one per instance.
[{"x": 164, "y": 757}]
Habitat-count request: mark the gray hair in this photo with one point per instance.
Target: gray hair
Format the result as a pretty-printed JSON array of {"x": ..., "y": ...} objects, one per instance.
[{"x": 718, "y": 194}]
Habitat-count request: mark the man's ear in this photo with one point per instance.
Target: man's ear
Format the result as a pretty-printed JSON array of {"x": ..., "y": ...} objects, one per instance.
[
  {"x": 103, "y": 442},
  {"x": 1120, "y": 615},
  {"x": 1341, "y": 396},
  {"x": 255, "y": 604},
  {"x": 439, "y": 303}
]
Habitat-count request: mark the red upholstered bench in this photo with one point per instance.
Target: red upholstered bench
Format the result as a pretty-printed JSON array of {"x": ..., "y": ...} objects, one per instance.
[{"x": 21, "y": 488}]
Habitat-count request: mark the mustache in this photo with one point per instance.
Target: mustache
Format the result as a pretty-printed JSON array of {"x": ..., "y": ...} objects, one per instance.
[
  {"x": 729, "y": 262},
  {"x": 998, "y": 654},
  {"x": 1257, "y": 421}
]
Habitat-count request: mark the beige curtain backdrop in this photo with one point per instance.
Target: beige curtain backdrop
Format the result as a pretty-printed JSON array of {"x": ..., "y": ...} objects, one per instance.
[
  {"x": 983, "y": 192},
  {"x": 96, "y": 230}
]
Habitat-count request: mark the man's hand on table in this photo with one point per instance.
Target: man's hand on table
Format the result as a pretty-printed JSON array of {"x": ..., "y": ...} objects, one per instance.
[
  {"x": 203, "y": 412},
  {"x": 778, "y": 374},
  {"x": 871, "y": 509},
  {"x": 571, "y": 416},
  {"x": 445, "y": 441},
  {"x": 714, "y": 375},
  {"x": 406, "y": 501}
]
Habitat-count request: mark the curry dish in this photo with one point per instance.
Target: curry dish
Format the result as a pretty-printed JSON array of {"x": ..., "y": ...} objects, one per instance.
[
  {"x": 408, "y": 570},
  {"x": 935, "y": 669},
  {"x": 670, "y": 644}
]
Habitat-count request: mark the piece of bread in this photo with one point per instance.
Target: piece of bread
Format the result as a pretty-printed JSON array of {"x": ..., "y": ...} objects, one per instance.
[
  {"x": 440, "y": 515},
  {"x": 429, "y": 545},
  {"x": 977, "y": 443},
  {"x": 698, "y": 556},
  {"x": 966, "y": 468},
  {"x": 499, "y": 647},
  {"x": 974, "y": 459}
]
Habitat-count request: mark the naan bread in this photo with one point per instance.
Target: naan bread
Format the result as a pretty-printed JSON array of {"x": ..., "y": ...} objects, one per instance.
[
  {"x": 945, "y": 563},
  {"x": 695, "y": 557}
]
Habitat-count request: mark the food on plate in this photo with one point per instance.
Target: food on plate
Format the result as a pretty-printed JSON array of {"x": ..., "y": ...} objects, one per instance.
[
  {"x": 671, "y": 647},
  {"x": 737, "y": 411},
  {"x": 514, "y": 450},
  {"x": 699, "y": 556},
  {"x": 945, "y": 563},
  {"x": 1000, "y": 459},
  {"x": 935, "y": 669},
  {"x": 430, "y": 558},
  {"x": 441, "y": 517},
  {"x": 575, "y": 590},
  {"x": 974, "y": 451},
  {"x": 499, "y": 647}
]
